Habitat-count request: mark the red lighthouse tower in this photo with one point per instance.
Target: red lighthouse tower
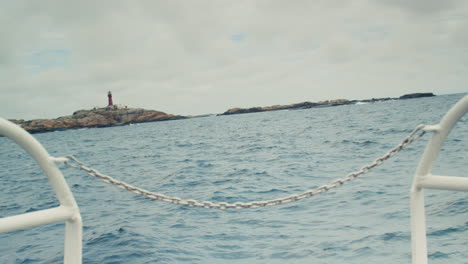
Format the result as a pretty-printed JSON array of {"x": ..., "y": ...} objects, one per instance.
[{"x": 109, "y": 95}]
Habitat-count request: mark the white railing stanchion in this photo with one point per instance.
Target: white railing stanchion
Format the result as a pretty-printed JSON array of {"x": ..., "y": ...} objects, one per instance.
[
  {"x": 68, "y": 210},
  {"x": 424, "y": 179}
]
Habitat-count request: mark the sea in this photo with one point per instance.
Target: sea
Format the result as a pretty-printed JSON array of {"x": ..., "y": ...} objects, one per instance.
[{"x": 243, "y": 158}]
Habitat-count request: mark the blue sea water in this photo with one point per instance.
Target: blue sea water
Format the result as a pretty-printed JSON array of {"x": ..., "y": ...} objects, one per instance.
[{"x": 242, "y": 158}]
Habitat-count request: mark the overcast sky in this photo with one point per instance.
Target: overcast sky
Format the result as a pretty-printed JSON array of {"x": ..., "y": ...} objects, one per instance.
[{"x": 200, "y": 57}]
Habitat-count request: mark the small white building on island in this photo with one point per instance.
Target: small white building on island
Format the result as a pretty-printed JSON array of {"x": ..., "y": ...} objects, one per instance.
[{"x": 111, "y": 105}]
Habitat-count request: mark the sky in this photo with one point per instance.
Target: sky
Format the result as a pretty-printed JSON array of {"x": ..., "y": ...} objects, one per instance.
[{"x": 201, "y": 57}]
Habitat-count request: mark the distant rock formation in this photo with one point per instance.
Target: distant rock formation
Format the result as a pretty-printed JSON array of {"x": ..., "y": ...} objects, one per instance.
[
  {"x": 303, "y": 105},
  {"x": 118, "y": 115},
  {"x": 98, "y": 117},
  {"x": 327, "y": 103},
  {"x": 416, "y": 95}
]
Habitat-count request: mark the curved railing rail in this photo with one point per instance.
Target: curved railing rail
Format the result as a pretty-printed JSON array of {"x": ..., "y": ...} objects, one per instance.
[
  {"x": 424, "y": 179},
  {"x": 68, "y": 210}
]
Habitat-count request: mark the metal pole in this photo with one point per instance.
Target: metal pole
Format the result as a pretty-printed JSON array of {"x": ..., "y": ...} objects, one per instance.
[
  {"x": 68, "y": 209},
  {"x": 424, "y": 179}
]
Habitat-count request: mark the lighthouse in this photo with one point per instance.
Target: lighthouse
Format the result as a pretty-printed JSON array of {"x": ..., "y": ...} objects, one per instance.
[{"x": 109, "y": 96}]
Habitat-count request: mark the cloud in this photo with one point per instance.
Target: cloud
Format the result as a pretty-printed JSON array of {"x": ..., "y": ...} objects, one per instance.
[
  {"x": 425, "y": 7},
  {"x": 206, "y": 56}
]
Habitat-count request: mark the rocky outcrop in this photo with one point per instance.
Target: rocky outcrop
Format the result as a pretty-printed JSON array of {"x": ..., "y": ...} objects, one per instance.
[
  {"x": 327, "y": 103},
  {"x": 416, "y": 95},
  {"x": 303, "y": 105},
  {"x": 98, "y": 117}
]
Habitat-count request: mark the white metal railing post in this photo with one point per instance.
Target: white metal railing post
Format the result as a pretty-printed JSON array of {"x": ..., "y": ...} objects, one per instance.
[
  {"x": 424, "y": 179},
  {"x": 68, "y": 210}
]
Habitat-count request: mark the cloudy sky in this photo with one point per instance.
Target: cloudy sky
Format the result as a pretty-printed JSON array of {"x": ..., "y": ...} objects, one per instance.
[{"x": 199, "y": 57}]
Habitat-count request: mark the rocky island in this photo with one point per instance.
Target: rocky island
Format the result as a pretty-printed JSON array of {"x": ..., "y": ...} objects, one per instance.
[
  {"x": 112, "y": 115},
  {"x": 327, "y": 103},
  {"x": 98, "y": 117},
  {"x": 119, "y": 115}
]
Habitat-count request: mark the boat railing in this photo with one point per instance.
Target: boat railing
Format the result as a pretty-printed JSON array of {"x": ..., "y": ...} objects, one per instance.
[
  {"x": 69, "y": 213},
  {"x": 423, "y": 179}
]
